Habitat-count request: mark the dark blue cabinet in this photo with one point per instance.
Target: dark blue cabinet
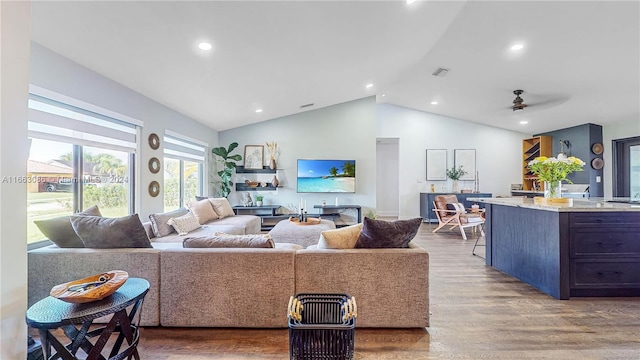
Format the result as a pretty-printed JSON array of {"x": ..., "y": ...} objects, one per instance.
[{"x": 426, "y": 203}]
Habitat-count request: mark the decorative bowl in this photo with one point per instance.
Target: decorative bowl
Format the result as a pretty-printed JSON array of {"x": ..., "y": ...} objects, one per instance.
[{"x": 92, "y": 288}]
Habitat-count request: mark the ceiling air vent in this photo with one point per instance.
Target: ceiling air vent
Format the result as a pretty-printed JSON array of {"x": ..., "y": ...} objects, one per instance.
[
  {"x": 442, "y": 72},
  {"x": 306, "y": 105}
]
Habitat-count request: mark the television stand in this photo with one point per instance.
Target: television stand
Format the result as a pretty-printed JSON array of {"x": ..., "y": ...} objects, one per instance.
[{"x": 329, "y": 208}]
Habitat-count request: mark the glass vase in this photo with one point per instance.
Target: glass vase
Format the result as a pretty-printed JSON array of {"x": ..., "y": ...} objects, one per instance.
[
  {"x": 552, "y": 189},
  {"x": 454, "y": 187}
]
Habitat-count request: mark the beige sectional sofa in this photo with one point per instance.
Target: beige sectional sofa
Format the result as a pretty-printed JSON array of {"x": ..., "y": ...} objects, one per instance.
[{"x": 242, "y": 287}]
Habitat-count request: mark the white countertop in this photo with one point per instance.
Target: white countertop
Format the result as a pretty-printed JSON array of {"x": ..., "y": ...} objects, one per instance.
[{"x": 575, "y": 205}]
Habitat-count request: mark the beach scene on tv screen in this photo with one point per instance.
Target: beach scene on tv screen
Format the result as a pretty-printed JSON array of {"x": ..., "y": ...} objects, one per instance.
[{"x": 326, "y": 176}]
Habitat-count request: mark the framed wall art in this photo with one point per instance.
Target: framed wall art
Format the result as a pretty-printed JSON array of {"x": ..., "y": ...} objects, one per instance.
[
  {"x": 467, "y": 159},
  {"x": 436, "y": 164},
  {"x": 253, "y": 156}
]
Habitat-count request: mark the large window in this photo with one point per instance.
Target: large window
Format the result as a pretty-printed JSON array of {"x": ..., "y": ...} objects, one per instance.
[
  {"x": 77, "y": 159},
  {"x": 184, "y": 171}
]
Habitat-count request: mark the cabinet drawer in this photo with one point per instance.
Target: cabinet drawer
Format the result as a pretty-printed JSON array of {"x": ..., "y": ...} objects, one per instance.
[
  {"x": 603, "y": 273},
  {"x": 591, "y": 219},
  {"x": 605, "y": 241}
]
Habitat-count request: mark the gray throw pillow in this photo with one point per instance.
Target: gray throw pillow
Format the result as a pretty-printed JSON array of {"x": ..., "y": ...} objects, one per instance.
[
  {"x": 106, "y": 233},
  {"x": 60, "y": 231},
  {"x": 229, "y": 241},
  {"x": 159, "y": 224},
  {"x": 388, "y": 234}
]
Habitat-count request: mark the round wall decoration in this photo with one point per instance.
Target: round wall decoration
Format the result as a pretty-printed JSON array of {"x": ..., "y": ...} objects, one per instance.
[
  {"x": 154, "y": 141},
  {"x": 597, "y": 163},
  {"x": 597, "y": 148},
  {"x": 154, "y": 188},
  {"x": 154, "y": 165}
]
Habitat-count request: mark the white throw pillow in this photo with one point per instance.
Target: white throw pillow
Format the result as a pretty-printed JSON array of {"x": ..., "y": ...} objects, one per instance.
[
  {"x": 222, "y": 207},
  {"x": 203, "y": 211},
  {"x": 185, "y": 223}
]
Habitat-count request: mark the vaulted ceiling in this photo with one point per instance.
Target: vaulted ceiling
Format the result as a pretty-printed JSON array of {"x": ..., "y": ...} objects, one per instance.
[{"x": 580, "y": 62}]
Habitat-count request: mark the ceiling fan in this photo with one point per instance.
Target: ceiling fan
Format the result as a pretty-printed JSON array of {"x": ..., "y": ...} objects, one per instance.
[{"x": 518, "y": 103}]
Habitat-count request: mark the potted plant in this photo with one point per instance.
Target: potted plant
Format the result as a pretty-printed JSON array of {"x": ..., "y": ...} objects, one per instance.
[
  {"x": 553, "y": 171},
  {"x": 259, "y": 200},
  {"x": 455, "y": 174},
  {"x": 227, "y": 161}
]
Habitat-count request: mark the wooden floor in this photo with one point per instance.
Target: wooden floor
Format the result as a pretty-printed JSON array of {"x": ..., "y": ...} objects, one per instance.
[{"x": 476, "y": 313}]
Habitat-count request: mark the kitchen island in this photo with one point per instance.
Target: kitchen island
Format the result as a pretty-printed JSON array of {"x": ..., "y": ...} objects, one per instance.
[{"x": 589, "y": 247}]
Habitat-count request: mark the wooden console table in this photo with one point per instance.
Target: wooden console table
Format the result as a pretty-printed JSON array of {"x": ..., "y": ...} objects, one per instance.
[{"x": 75, "y": 320}]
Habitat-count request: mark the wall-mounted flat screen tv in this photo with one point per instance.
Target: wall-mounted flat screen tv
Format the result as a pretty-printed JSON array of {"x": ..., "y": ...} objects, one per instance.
[{"x": 326, "y": 176}]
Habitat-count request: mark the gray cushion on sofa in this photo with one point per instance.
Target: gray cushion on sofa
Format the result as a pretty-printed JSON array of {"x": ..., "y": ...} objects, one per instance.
[
  {"x": 60, "y": 231},
  {"x": 159, "y": 222},
  {"x": 388, "y": 234},
  {"x": 106, "y": 233},
  {"x": 229, "y": 241}
]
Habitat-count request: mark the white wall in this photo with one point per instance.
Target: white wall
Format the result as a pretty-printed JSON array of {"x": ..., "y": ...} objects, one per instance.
[
  {"x": 53, "y": 72},
  {"x": 343, "y": 131},
  {"x": 610, "y": 132},
  {"x": 498, "y": 151},
  {"x": 15, "y": 22}
]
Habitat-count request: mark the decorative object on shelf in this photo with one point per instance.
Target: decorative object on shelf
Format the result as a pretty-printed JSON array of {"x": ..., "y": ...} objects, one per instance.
[
  {"x": 466, "y": 159},
  {"x": 259, "y": 200},
  {"x": 154, "y": 188},
  {"x": 273, "y": 152},
  {"x": 251, "y": 183},
  {"x": 275, "y": 182},
  {"x": 154, "y": 141},
  {"x": 597, "y": 163},
  {"x": 92, "y": 288},
  {"x": 264, "y": 184},
  {"x": 154, "y": 165},
  {"x": 433, "y": 188},
  {"x": 552, "y": 171},
  {"x": 310, "y": 221},
  {"x": 253, "y": 156},
  {"x": 436, "y": 164},
  {"x": 455, "y": 174},
  {"x": 476, "y": 184},
  {"x": 227, "y": 162},
  {"x": 597, "y": 148},
  {"x": 246, "y": 199}
]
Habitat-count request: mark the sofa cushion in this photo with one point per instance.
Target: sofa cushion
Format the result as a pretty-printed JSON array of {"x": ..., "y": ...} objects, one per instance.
[
  {"x": 222, "y": 207},
  {"x": 106, "y": 233},
  {"x": 184, "y": 224},
  {"x": 203, "y": 211},
  {"x": 229, "y": 241},
  {"x": 388, "y": 234},
  {"x": 60, "y": 231},
  {"x": 342, "y": 238},
  {"x": 159, "y": 222}
]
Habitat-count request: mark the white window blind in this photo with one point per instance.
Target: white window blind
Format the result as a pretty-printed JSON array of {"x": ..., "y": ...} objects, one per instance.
[
  {"x": 183, "y": 148},
  {"x": 52, "y": 120}
]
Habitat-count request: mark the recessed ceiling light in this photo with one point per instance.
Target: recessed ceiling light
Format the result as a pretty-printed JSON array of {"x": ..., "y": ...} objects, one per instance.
[
  {"x": 524, "y": 122},
  {"x": 517, "y": 47},
  {"x": 259, "y": 110},
  {"x": 204, "y": 46},
  {"x": 410, "y": 1},
  {"x": 383, "y": 95},
  {"x": 369, "y": 86},
  {"x": 434, "y": 103}
]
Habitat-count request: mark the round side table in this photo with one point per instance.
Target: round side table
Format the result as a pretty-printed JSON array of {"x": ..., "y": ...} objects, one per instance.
[{"x": 75, "y": 319}]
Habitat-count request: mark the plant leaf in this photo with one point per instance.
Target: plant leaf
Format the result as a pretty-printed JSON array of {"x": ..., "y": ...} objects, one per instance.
[
  {"x": 220, "y": 151},
  {"x": 235, "y": 157},
  {"x": 232, "y": 146}
]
